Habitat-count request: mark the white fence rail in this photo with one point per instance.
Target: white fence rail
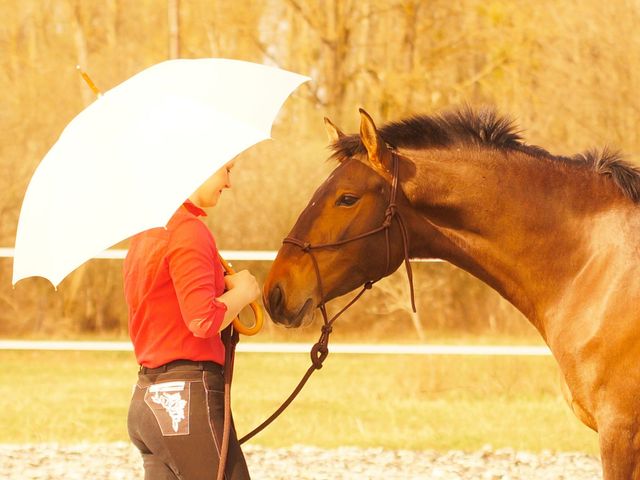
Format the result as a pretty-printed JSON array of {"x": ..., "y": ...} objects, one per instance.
[
  {"x": 119, "y": 254},
  {"x": 270, "y": 255},
  {"x": 255, "y": 347},
  {"x": 259, "y": 255}
]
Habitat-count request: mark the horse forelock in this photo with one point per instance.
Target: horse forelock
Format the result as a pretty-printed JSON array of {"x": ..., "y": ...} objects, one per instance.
[
  {"x": 612, "y": 164},
  {"x": 486, "y": 127}
]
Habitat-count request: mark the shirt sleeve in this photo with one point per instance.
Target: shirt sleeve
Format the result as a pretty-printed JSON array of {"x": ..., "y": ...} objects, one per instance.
[{"x": 192, "y": 255}]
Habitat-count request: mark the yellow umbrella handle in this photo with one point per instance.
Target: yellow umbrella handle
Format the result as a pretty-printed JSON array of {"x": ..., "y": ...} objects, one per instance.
[{"x": 257, "y": 310}]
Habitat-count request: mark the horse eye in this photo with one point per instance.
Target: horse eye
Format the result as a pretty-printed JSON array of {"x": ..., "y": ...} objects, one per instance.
[{"x": 346, "y": 200}]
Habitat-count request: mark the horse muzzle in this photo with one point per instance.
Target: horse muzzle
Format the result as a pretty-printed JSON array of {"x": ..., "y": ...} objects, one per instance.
[{"x": 283, "y": 312}]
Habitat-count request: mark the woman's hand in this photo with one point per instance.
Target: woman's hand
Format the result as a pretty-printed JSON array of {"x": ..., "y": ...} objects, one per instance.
[
  {"x": 245, "y": 284},
  {"x": 242, "y": 289}
]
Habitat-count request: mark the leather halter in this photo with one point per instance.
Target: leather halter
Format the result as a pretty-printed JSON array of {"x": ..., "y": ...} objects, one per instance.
[
  {"x": 320, "y": 350},
  {"x": 391, "y": 213}
]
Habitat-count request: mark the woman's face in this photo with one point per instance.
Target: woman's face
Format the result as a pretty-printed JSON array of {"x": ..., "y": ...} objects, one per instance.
[{"x": 209, "y": 192}]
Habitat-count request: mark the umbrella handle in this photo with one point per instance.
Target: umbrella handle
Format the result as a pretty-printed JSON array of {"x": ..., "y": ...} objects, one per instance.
[{"x": 257, "y": 310}]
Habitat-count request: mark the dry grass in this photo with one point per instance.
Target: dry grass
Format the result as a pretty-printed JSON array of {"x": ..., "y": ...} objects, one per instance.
[
  {"x": 567, "y": 72},
  {"x": 413, "y": 402}
]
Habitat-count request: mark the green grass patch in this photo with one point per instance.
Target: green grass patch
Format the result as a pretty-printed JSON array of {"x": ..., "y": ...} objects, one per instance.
[{"x": 393, "y": 401}]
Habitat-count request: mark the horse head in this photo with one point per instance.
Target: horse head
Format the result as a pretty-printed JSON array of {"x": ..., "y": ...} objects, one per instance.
[{"x": 346, "y": 236}]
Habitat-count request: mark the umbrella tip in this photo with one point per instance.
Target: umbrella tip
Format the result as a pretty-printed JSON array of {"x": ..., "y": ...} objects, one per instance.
[{"x": 88, "y": 80}]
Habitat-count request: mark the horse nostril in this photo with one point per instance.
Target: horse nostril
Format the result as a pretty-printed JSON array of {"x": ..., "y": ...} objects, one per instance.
[{"x": 275, "y": 299}]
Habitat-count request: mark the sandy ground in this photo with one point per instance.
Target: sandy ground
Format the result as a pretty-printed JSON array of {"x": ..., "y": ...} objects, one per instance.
[{"x": 120, "y": 461}]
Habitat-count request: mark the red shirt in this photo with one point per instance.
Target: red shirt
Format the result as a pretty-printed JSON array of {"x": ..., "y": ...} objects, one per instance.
[{"x": 172, "y": 277}]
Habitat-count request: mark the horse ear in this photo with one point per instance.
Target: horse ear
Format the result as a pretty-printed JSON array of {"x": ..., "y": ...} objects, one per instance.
[
  {"x": 377, "y": 150},
  {"x": 333, "y": 133}
]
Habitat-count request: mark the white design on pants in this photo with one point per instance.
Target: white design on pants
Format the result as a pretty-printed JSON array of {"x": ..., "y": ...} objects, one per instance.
[
  {"x": 171, "y": 398},
  {"x": 174, "y": 405}
]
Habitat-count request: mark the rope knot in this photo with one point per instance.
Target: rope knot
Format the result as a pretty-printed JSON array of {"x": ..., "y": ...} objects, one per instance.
[
  {"x": 306, "y": 246},
  {"x": 389, "y": 213},
  {"x": 391, "y": 210},
  {"x": 368, "y": 285},
  {"x": 327, "y": 329},
  {"x": 319, "y": 353}
]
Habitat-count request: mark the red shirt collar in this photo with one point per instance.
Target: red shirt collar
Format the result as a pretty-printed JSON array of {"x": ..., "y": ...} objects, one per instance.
[{"x": 194, "y": 209}]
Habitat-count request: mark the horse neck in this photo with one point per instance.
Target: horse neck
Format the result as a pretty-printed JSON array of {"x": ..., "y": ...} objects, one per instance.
[{"x": 516, "y": 222}]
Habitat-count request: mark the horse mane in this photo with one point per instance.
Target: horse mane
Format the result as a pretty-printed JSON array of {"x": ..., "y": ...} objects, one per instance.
[{"x": 486, "y": 128}]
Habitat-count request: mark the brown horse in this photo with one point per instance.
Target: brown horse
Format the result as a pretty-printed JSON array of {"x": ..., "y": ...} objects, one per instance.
[{"x": 558, "y": 237}]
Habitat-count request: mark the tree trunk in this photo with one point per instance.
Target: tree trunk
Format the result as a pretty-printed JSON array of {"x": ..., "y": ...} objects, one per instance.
[{"x": 173, "y": 7}]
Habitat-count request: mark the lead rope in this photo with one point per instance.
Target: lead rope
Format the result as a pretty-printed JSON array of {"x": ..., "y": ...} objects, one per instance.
[
  {"x": 319, "y": 353},
  {"x": 230, "y": 338},
  {"x": 320, "y": 349}
]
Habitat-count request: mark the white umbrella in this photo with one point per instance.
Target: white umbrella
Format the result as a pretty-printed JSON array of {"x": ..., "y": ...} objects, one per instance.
[{"x": 130, "y": 159}]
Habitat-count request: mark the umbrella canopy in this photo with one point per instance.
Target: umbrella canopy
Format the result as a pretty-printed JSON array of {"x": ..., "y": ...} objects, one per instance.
[{"x": 130, "y": 159}]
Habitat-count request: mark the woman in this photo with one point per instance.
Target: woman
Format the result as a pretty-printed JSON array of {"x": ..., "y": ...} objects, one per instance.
[{"x": 179, "y": 300}]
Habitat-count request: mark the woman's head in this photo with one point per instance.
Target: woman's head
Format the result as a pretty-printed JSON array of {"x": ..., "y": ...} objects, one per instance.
[{"x": 208, "y": 194}]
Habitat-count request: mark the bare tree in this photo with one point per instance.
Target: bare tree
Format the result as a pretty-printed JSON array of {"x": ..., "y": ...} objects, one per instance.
[
  {"x": 173, "y": 20},
  {"x": 571, "y": 85}
]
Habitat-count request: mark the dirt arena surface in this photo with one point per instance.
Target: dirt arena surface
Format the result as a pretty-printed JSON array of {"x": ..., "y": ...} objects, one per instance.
[{"x": 120, "y": 461}]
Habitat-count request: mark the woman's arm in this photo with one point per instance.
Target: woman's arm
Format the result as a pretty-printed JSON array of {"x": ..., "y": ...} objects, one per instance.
[
  {"x": 191, "y": 257},
  {"x": 242, "y": 289}
]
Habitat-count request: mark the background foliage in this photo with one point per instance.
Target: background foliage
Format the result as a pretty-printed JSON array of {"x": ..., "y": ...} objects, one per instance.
[{"x": 568, "y": 72}]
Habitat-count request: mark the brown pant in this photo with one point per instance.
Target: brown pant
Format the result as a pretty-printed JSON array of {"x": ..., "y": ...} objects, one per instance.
[{"x": 176, "y": 420}]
